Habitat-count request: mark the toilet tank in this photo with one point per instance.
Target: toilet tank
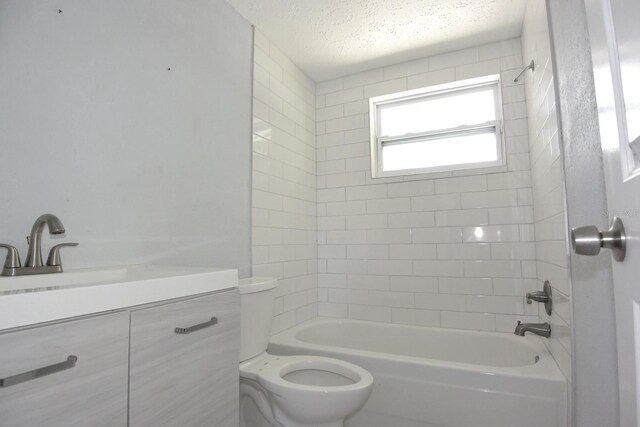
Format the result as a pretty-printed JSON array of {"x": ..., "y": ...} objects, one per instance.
[{"x": 256, "y": 314}]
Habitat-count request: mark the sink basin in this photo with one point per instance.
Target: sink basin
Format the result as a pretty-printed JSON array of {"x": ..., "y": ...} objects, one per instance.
[{"x": 27, "y": 300}]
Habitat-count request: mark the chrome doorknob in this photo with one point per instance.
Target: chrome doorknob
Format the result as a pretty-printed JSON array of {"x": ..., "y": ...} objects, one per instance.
[{"x": 588, "y": 240}]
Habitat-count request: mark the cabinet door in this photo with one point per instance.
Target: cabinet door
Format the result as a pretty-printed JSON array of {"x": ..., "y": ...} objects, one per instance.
[
  {"x": 67, "y": 374},
  {"x": 185, "y": 379}
]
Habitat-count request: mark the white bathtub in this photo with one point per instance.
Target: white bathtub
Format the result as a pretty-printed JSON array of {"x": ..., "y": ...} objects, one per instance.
[{"x": 431, "y": 377}]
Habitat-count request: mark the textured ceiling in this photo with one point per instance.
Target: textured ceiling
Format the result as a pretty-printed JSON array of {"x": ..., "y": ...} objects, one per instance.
[{"x": 331, "y": 38}]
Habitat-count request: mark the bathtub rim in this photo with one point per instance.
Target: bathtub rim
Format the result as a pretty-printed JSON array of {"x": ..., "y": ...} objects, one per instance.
[{"x": 546, "y": 367}]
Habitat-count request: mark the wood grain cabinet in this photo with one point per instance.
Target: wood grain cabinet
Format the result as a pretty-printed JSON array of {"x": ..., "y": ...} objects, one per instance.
[
  {"x": 86, "y": 362},
  {"x": 173, "y": 364},
  {"x": 184, "y": 363}
]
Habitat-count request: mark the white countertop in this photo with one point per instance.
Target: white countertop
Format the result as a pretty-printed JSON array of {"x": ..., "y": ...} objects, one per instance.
[{"x": 27, "y": 300}]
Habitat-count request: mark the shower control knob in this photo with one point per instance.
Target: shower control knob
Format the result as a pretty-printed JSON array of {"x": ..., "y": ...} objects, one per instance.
[{"x": 588, "y": 240}]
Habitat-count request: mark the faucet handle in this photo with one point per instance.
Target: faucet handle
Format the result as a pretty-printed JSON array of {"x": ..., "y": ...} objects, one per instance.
[
  {"x": 13, "y": 257},
  {"x": 54, "y": 254}
]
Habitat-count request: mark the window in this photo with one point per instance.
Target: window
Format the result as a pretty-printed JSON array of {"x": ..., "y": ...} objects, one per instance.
[{"x": 439, "y": 128}]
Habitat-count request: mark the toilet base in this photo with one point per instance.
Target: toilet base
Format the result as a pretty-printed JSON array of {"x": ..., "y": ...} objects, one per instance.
[{"x": 256, "y": 411}]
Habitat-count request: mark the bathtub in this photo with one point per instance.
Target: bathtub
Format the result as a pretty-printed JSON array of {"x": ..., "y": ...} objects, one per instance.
[{"x": 432, "y": 377}]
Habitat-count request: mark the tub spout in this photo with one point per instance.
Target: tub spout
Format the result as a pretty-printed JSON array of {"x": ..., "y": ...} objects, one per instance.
[{"x": 542, "y": 329}]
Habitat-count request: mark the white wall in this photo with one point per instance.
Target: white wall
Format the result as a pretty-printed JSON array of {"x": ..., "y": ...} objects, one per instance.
[
  {"x": 405, "y": 249},
  {"x": 547, "y": 180},
  {"x": 284, "y": 183},
  {"x": 131, "y": 122}
]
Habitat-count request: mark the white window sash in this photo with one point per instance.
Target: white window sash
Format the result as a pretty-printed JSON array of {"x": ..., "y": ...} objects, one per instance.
[{"x": 441, "y": 134}]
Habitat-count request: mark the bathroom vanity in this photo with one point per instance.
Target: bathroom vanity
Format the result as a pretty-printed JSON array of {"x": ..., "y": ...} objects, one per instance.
[{"x": 137, "y": 346}]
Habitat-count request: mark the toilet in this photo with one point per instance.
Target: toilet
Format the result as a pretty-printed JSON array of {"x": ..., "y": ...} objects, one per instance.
[{"x": 290, "y": 391}]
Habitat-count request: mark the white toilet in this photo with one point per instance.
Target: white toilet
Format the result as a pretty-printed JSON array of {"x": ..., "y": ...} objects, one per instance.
[{"x": 290, "y": 391}]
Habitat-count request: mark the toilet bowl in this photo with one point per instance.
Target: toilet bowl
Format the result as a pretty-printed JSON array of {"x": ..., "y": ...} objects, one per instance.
[{"x": 290, "y": 391}]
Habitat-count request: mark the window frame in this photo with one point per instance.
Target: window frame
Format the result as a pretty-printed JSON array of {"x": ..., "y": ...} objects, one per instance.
[{"x": 398, "y": 98}]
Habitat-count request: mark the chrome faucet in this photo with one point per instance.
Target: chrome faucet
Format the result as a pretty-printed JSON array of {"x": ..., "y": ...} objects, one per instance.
[
  {"x": 33, "y": 263},
  {"x": 34, "y": 255},
  {"x": 542, "y": 329}
]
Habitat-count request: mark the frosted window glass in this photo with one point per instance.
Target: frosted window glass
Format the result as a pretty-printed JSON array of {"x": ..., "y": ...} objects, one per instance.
[
  {"x": 444, "y": 111},
  {"x": 449, "y": 150}
]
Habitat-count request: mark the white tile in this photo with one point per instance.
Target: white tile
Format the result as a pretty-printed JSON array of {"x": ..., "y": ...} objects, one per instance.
[
  {"x": 440, "y": 302},
  {"x": 515, "y": 250},
  {"x": 431, "y": 78},
  {"x": 414, "y": 188},
  {"x": 468, "y": 251},
  {"x": 388, "y": 205},
  {"x": 363, "y": 78},
  {"x": 326, "y": 309},
  {"x": 452, "y": 59},
  {"x": 391, "y": 235},
  {"x": 511, "y": 215},
  {"x": 491, "y": 233},
  {"x": 469, "y": 321},
  {"x": 347, "y": 237},
  {"x": 343, "y": 96},
  {"x": 365, "y": 281},
  {"x": 326, "y": 280},
  {"x": 390, "y": 267},
  {"x": 329, "y": 86},
  {"x": 437, "y": 235},
  {"x": 463, "y": 184},
  {"x": 375, "y": 314},
  {"x": 386, "y": 87},
  {"x": 495, "y": 304},
  {"x": 413, "y": 251},
  {"x": 413, "y": 284},
  {"x": 367, "y": 192},
  {"x": 478, "y": 69},
  {"x": 514, "y": 286},
  {"x": 391, "y": 299},
  {"x": 368, "y": 251},
  {"x": 331, "y": 195},
  {"x": 363, "y": 222},
  {"x": 412, "y": 220},
  {"x": 492, "y": 269},
  {"x": 348, "y": 296},
  {"x": 461, "y": 285},
  {"x": 488, "y": 199},
  {"x": 462, "y": 217},
  {"x": 328, "y": 113},
  {"x": 438, "y": 268},
  {"x": 406, "y": 69},
  {"x": 436, "y": 202}
]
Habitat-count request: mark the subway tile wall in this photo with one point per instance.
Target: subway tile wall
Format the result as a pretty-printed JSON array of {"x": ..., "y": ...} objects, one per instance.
[
  {"x": 547, "y": 181},
  {"x": 284, "y": 183},
  {"x": 453, "y": 250}
]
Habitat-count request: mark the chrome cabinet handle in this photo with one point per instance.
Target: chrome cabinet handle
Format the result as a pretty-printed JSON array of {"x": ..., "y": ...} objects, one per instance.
[
  {"x": 40, "y": 372},
  {"x": 588, "y": 240},
  {"x": 188, "y": 330}
]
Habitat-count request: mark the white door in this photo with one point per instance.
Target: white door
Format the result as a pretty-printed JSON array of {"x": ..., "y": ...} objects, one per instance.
[{"x": 614, "y": 30}]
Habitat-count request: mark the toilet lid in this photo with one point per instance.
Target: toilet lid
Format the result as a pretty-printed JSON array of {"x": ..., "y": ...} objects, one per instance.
[{"x": 272, "y": 372}]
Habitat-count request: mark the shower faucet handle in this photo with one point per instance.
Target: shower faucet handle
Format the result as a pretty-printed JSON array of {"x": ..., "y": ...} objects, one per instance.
[{"x": 54, "y": 254}]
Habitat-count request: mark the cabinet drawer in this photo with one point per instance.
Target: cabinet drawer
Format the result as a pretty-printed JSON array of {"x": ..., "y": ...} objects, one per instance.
[
  {"x": 90, "y": 392},
  {"x": 185, "y": 379}
]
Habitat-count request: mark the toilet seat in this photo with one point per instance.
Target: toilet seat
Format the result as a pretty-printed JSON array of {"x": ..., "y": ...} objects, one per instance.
[{"x": 270, "y": 372}]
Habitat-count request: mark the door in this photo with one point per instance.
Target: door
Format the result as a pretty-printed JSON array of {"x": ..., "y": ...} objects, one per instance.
[
  {"x": 184, "y": 363},
  {"x": 615, "y": 45},
  {"x": 68, "y": 374}
]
